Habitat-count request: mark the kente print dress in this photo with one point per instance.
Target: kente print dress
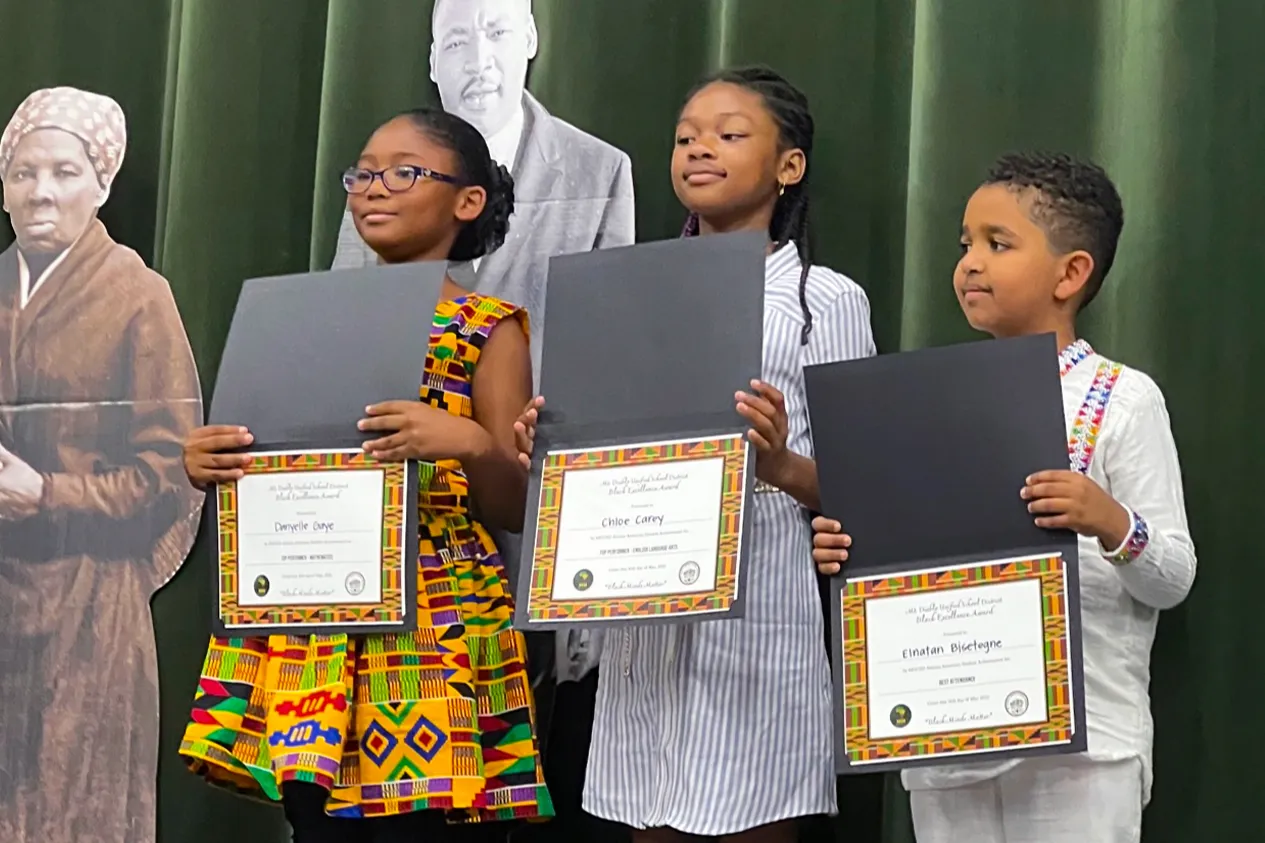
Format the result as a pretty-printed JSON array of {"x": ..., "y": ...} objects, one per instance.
[
  {"x": 438, "y": 719},
  {"x": 718, "y": 727}
]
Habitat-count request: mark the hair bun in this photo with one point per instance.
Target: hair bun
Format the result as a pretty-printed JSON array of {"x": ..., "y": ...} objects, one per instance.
[
  {"x": 501, "y": 185},
  {"x": 501, "y": 177},
  {"x": 500, "y": 195},
  {"x": 490, "y": 228}
]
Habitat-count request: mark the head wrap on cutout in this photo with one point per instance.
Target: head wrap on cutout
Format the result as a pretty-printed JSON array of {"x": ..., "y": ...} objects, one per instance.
[{"x": 95, "y": 119}]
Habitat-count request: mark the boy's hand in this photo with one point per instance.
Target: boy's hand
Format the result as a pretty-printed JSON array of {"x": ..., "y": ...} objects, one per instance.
[
  {"x": 525, "y": 430},
  {"x": 1070, "y": 499},
  {"x": 830, "y": 545}
]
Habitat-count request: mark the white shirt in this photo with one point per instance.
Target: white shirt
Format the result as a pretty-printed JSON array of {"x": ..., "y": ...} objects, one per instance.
[
  {"x": 1135, "y": 461},
  {"x": 503, "y": 145},
  {"x": 27, "y": 289}
]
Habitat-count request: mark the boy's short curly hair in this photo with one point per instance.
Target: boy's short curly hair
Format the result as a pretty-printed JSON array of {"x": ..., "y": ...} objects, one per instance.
[{"x": 1074, "y": 202}]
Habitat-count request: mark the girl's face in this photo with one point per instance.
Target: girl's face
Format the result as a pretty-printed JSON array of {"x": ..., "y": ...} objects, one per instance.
[
  {"x": 422, "y": 222},
  {"x": 727, "y": 163}
]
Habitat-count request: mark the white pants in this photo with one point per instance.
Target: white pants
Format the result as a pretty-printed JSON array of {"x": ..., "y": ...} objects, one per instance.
[{"x": 1046, "y": 800}]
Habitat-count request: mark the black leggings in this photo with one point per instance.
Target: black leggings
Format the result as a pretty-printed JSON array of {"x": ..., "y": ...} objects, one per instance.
[{"x": 305, "y": 811}]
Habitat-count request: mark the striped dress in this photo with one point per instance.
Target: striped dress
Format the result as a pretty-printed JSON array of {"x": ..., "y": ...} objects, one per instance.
[
  {"x": 722, "y": 726},
  {"x": 437, "y": 719}
]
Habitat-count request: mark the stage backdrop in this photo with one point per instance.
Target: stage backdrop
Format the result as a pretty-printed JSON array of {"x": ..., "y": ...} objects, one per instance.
[{"x": 243, "y": 113}]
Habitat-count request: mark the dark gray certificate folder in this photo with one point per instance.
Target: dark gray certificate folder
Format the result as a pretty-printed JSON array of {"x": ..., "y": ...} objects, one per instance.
[
  {"x": 307, "y": 353},
  {"x": 921, "y": 456},
  {"x": 645, "y": 343}
]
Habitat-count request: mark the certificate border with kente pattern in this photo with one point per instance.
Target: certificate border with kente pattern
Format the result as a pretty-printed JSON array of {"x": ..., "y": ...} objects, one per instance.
[
  {"x": 1058, "y": 727},
  {"x": 542, "y": 606},
  {"x": 389, "y": 610}
]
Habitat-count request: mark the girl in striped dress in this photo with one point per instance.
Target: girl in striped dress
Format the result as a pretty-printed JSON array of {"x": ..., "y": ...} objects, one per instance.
[
  {"x": 722, "y": 728},
  {"x": 436, "y": 724}
]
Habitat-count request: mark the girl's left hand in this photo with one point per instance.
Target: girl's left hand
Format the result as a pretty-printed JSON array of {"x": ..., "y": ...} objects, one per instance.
[
  {"x": 420, "y": 432},
  {"x": 765, "y": 408}
]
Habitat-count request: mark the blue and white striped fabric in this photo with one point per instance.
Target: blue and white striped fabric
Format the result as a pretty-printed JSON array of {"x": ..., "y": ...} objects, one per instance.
[{"x": 723, "y": 726}]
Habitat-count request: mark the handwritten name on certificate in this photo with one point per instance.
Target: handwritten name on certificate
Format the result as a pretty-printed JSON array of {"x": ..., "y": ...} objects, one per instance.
[
  {"x": 641, "y": 531},
  {"x": 314, "y": 537},
  {"x": 316, "y": 541},
  {"x": 956, "y": 661},
  {"x": 646, "y": 530}
]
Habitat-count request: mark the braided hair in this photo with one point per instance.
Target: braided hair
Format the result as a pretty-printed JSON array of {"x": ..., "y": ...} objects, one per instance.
[
  {"x": 789, "y": 108},
  {"x": 476, "y": 168}
]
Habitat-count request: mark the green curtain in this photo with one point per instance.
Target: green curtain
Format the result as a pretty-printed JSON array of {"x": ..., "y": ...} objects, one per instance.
[{"x": 242, "y": 113}]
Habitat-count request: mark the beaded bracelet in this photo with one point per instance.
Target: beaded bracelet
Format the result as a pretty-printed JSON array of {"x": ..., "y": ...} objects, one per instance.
[{"x": 1131, "y": 549}]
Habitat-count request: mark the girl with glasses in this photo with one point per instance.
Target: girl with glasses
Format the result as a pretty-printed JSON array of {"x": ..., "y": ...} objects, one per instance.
[{"x": 436, "y": 736}]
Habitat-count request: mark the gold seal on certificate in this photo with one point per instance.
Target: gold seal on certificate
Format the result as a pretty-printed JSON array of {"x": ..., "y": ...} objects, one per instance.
[
  {"x": 647, "y": 531},
  {"x": 315, "y": 541},
  {"x": 954, "y": 662}
]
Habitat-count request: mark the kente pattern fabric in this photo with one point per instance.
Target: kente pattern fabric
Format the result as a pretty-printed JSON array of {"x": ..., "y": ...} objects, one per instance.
[
  {"x": 95, "y": 119},
  {"x": 438, "y": 719}
]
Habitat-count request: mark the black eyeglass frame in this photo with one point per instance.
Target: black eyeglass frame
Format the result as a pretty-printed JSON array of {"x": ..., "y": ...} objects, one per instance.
[{"x": 351, "y": 173}]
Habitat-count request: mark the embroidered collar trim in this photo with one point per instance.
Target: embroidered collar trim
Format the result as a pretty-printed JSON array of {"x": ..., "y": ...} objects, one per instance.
[{"x": 1073, "y": 354}]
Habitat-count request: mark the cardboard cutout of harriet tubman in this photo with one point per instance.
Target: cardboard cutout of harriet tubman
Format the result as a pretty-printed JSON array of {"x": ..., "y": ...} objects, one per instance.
[{"x": 98, "y": 389}]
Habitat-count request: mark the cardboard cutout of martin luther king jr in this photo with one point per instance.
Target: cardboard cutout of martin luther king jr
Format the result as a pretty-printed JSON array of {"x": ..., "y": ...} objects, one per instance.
[
  {"x": 98, "y": 389},
  {"x": 572, "y": 192}
]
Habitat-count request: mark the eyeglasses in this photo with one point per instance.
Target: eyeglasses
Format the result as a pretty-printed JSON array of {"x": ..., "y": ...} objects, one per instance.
[{"x": 395, "y": 179}]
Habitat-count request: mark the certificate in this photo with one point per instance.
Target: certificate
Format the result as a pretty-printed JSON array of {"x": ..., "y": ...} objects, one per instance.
[
  {"x": 318, "y": 537},
  {"x": 955, "y": 622},
  {"x": 650, "y": 531},
  {"x": 637, "y": 504},
  {"x": 956, "y": 662},
  {"x": 315, "y": 542}
]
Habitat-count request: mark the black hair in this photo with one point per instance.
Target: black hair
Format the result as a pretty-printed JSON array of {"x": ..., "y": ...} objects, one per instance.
[
  {"x": 475, "y": 168},
  {"x": 1074, "y": 202},
  {"x": 789, "y": 107}
]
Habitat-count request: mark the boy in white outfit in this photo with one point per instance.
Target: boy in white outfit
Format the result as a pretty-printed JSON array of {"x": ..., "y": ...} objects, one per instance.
[{"x": 1038, "y": 238}]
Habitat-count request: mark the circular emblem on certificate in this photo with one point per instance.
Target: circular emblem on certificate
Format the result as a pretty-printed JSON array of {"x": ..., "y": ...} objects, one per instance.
[
  {"x": 583, "y": 579},
  {"x": 1016, "y": 703},
  {"x": 901, "y": 716},
  {"x": 261, "y": 586},
  {"x": 354, "y": 584},
  {"x": 689, "y": 573}
]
